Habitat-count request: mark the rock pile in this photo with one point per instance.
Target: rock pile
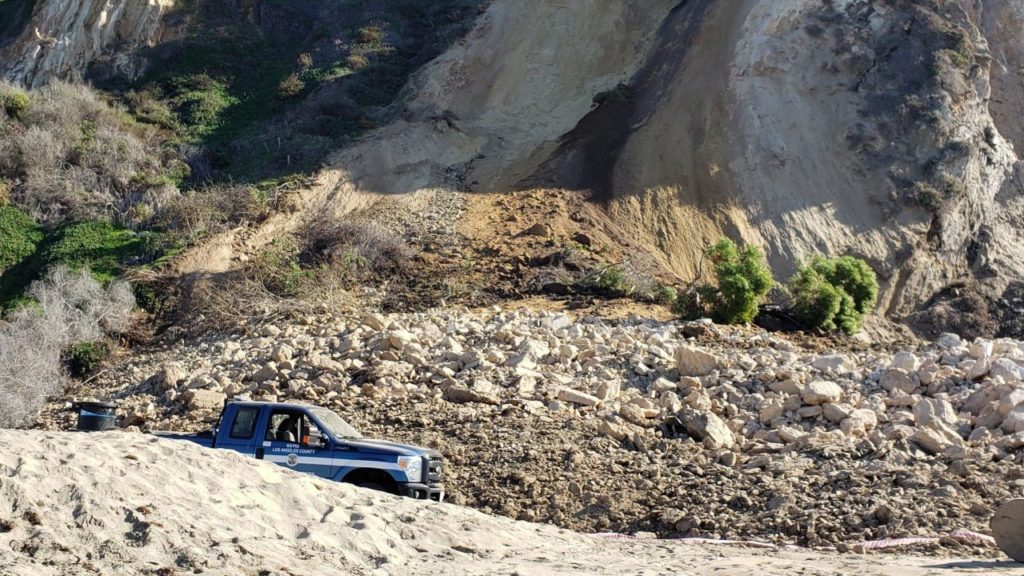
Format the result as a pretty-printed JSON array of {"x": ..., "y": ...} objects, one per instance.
[{"x": 678, "y": 428}]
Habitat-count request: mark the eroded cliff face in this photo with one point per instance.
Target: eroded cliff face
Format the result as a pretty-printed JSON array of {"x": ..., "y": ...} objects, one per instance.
[
  {"x": 865, "y": 128},
  {"x": 885, "y": 129},
  {"x": 850, "y": 127},
  {"x": 64, "y": 37}
]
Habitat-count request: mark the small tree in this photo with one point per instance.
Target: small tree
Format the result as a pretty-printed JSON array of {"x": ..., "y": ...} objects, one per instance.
[
  {"x": 834, "y": 293},
  {"x": 742, "y": 279}
]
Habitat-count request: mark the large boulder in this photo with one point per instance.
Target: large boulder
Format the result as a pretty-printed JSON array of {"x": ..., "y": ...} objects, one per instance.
[
  {"x": 822, "y": 392},
  {"x": 204, "y": 399},
  {"x": 707, "y": 427},
  {"x": 692, "y": 361}
]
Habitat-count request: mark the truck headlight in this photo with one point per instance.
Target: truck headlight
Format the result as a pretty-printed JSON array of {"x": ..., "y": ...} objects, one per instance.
[{"x": 412, "y": 466}]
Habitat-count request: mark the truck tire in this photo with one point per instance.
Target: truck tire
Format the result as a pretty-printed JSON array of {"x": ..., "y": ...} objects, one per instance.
[{"x": 372, "y": 486}]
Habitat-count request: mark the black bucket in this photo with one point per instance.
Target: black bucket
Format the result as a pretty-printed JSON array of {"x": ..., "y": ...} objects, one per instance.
[{"x": 95, "y": 416}]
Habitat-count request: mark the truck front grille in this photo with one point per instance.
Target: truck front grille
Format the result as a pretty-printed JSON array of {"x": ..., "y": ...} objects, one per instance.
[{"x": 435, "y": 470}]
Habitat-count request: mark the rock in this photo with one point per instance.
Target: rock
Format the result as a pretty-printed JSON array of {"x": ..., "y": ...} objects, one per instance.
[
  {"x": 634, "y": 414},
  {"x": 836, "y": 412},
  {"x": 461, "y": 395},
  {"x": 929, "y": 410},
  {"x": 577, "y": 397},
  {"x": 687, "y": 383},
  {"x": 268, "y": 372},
  {"x": 608, "y": 390},
  {"x": 936, "y": 438},
  {"x": 375, "y": 322},
  {"x": 788, "y": 386},
  {"x": 582, "y": 239},
  {"x": 1014, "y": 421},
  {"x": 769, "y": 410},
  {"x": 728, "y": 459},
  {"x": 707, "y": 427},
  {"x": 1006, "y": 369},
  {"x": 270, "y": 331},
  {"x": 526, "y": 385},
  {"x": 168, "y": 377},
  {"x": 282, "y": 353},
  {"x": 399, "y": 339},
  {"x": 897, "y": 379},
  {"x": 982, "y": 353},
  {"x": 859, "y": 423},
  {"x": 948, "y": 340},
  {"x": 522, "y": 361},
  {"x": 538, "y": 229},
  {"x": 204, "y": 399},
  {"x": 832, "y": 363},
  {"x": 1006, "y": 528},
  {"x": 692, "y": 361},
  {"x": 615, "y": 428},
  {"x": 821, "y": 392},
  {"x": 905, "y": 361}
]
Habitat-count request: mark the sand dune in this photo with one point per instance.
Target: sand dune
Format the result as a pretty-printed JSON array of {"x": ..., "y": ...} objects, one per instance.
[{"x": 123, "y": 503}]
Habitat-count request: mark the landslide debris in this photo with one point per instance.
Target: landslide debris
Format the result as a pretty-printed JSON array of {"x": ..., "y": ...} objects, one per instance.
[{"x": 624, "y": 425}]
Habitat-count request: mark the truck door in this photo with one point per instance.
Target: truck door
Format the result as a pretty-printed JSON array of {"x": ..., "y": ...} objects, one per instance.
[
  {"x": 285, "y": 443},
  {"x": 239, "y": 434}
]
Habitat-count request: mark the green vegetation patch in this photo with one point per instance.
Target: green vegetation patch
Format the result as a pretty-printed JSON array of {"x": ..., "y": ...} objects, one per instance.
[
  {"x": 105, "y": 247},
  {"x": 19, "y": 236},
  {"x": 834, "y": 293},
  {"x": 742, "y": 279}
]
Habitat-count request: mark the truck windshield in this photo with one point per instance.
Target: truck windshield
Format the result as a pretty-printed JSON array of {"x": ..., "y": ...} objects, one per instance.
[{"x": 335, "y": 425}]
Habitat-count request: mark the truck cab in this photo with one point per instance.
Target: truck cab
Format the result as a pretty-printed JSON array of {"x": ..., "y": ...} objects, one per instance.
[{"x": 317, "y": 441}]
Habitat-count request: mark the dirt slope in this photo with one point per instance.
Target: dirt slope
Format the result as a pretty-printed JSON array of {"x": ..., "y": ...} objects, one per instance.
[
  {"x": 886, "y": 130},
  {"x": 117, "y": 503},
  {"x": 869, "y": 128}
]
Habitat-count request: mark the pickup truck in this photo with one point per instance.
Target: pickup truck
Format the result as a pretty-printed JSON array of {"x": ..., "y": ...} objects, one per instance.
[{"x": 317, "y": 441}]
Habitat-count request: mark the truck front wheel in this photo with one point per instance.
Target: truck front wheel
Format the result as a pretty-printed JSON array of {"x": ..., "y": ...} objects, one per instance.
[{"x": 372, "y": 486}]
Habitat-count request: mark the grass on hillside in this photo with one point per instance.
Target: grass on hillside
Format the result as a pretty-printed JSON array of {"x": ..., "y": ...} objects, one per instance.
[
  {"x": 107, "y": 249},
  {"x": 263, "y": 107}
]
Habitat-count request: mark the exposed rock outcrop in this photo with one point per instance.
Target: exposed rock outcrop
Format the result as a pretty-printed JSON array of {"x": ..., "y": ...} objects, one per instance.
[{"x": 63, "y": 37}]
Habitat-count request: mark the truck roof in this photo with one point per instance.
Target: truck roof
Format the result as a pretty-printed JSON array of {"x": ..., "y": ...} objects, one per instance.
[{"x": 272, "y": 404}]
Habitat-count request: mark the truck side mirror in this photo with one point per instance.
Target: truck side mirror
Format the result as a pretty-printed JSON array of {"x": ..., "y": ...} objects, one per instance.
[{"x": 314, "y": 439}]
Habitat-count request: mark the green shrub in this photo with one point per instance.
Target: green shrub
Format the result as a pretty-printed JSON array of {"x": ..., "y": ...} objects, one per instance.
[
  {"x": 277, "y": 269},
  {"x": 742, "y": 279},
  {"x": 614, "y": 281},
  {"x": 926, "y": 196},
  {"x": 665, "y": 295},
  {"x": 83, "y": 358},
  {"x": 834, "y": 293},
  {"x": 19, "y": 236},
  {"x": 16, "y": 104}
]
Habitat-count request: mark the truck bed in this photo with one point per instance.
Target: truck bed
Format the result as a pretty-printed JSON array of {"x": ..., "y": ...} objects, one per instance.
[{"x": 202, "y": 438}]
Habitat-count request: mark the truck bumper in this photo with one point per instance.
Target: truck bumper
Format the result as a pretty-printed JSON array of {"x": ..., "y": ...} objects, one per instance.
[{"x": 422, "y": 492}]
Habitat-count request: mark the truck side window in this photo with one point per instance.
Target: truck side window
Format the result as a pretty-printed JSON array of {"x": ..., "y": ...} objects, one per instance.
[{"x": 245, "y": 423}]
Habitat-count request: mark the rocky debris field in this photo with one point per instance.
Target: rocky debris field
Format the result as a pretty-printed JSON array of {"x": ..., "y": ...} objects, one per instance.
[{"x": 634, "y": 425}]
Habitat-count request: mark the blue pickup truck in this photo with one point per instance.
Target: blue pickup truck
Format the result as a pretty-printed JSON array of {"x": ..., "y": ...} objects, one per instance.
[{"x": 317, "y": 441}]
